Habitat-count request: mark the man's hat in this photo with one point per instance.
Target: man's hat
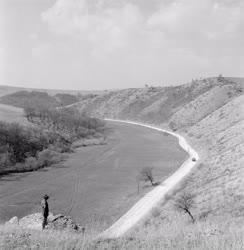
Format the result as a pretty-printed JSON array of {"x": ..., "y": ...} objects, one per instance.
[{"x": 46, "y": 197}]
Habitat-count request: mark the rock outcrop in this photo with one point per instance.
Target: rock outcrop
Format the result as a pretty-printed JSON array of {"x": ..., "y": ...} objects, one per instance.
[{"x": 55, "y": 222}]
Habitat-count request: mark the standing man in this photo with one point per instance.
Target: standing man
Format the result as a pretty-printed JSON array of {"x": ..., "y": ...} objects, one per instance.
[{"x": 45, "y": 210}]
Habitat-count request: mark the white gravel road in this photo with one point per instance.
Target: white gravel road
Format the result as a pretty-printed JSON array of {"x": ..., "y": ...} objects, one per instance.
[{"x": 151, "y": 199}]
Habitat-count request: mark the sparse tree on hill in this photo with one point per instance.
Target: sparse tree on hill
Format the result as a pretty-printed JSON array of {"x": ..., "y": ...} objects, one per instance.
[
  {"x": 146, "y": 174},
  {"x": 185, "y": 203}
]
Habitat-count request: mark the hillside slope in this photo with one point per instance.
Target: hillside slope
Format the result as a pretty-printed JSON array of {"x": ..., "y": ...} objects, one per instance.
[
  {"x": 12, "y": 114},
  {"x": 22, "y": 99},
  {"x": 6, "y": 90},
  {"x": 210, "y": 114}
]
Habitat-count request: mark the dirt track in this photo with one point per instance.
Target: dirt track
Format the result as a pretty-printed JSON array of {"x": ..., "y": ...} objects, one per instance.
[
  {"x": 96, "y": 182},
  {"x": 143, "y": 207}
]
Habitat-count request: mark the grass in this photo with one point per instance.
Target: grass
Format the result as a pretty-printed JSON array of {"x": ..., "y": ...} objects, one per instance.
[
  {"x": 174, "y": 232},
  {"x": 12, "y": 114},
  {"x": 216, "y": 185},
  {"x": 98, "y": 181}
]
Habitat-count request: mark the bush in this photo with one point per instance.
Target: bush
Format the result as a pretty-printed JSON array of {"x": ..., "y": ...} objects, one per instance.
[
  {"x": 31, "y": 163},
  {"x": 68, "y": 122},
  {"x": 48, "y": 157},
  {"x": 61, "y": 147},
  {"x": 21, "y": 142},
  {"x": 29, "y": 148},
  {"x": 4, "y": 160}
]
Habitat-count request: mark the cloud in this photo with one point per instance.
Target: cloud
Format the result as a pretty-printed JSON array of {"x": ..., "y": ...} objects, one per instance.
[
  {"x": 177, "y": 39},
  {"x": 102, "y": 26},
  {"x": 200, "y": 24},
  {"x": 180, "y": 23},
  {"x": 33, "y": 36}
]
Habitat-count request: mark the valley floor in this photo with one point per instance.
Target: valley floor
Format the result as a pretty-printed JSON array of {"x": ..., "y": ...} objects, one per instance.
[{"x": 96, "y": 184}]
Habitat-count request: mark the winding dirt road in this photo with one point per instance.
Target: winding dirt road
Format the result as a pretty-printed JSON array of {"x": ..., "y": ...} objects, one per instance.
[{"x": 152, "y": 199}]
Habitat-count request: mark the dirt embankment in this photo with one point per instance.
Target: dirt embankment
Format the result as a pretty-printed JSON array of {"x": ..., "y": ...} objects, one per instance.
[{"x": 210, "y": 114}]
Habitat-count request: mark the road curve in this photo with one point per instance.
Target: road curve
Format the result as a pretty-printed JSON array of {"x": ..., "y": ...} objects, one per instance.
[
  {"x": 151, "y": 199},
  {"x": 96, "y": 183}
]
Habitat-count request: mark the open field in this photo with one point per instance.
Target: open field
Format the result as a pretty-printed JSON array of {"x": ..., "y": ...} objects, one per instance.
[
  {"x": 12, "y": 114},
  {"x": 95, "y": 183}
]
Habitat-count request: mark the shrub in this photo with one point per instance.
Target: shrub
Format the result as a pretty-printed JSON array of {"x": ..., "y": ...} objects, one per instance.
[
  {"x": 31, "y": 163},
  {"x": 68, "y": 122},
  {"x": 48, "y": 157},
  {"x": 4, "y": 160},
  {"x": 61, "y": 147},
  {"x": 146, "y": 174},
  {"x": 66, "y": 99},
  {"x": 185, "y": 203}
]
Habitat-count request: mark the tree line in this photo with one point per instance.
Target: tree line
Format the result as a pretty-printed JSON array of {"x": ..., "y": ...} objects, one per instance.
[{"x": 53, "y": 131}]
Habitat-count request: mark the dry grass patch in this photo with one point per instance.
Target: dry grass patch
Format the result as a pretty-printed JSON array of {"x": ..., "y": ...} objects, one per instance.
[{"x": 162, "y": 232}]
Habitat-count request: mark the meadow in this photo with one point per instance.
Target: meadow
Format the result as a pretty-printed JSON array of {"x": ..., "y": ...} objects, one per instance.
[
  {"x": 12, "y": 114},
  {"x": 174, "y": 232},
  {"x": 95, "y": 183}
]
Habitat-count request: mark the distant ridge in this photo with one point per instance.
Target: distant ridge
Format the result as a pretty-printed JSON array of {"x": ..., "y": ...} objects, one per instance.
[{"x": 5, "y": 90}]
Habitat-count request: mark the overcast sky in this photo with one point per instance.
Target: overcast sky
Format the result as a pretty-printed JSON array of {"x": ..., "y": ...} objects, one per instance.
[{"x": 104, "y": 44}]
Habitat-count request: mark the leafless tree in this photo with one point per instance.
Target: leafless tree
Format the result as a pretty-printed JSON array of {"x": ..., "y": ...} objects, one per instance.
[
  {"x": 146, "y": 174},
  {"x": 185, "y": 203}
]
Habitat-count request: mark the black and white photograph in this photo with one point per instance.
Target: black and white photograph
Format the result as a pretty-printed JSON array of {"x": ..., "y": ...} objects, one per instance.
[{"x": 121, "y": 124}]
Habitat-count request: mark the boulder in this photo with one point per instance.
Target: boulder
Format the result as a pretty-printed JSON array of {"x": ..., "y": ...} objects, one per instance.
[
  {"x": 13, "y": 221},
  {"x": 32, "y": 221},
  {"x": 55, "y": 222},
  {"x": 61, "y": 222}
]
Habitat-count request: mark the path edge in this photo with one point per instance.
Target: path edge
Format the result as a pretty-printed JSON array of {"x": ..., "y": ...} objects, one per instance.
[{"x": 120, "y": 227}]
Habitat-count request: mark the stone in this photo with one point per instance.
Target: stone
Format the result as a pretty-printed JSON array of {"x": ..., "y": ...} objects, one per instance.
[{"x": 13, "y": 221}]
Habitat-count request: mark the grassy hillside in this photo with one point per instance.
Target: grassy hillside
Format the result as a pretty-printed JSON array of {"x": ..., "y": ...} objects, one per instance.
[
  {"x": 210, "y": 114},
  {"x": 40, "y": 131},
  {"x": 12, "y": 114},
  {"x": 170, "y": 235},
  {"x": 6, "y": 90},
  {"x": 22, "y": 99}
]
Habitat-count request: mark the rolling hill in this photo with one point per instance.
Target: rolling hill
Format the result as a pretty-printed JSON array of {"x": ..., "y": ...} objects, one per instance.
[
  {"x": 6, "y": 90},
  {"x": 12, "y": 114},
  {"x": 210, "y": 114}
]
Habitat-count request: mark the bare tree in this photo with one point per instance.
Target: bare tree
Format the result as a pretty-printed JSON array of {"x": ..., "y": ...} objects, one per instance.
[
  {"x": 185, "y": 203},
  {"x": 146, "y": 174}
]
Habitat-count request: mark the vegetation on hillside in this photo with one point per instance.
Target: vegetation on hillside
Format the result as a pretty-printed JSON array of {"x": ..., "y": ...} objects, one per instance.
[
  {"x": 24, "y": 99},
  {"x": 66, "y": 99},
  {"x": 67, "y": 121},
  {"x": 29, "y": 148},
  {"x": 176, "y": 233},
  {"x": 209, "y": 113},
  {"x": 158, "y": 105}
]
